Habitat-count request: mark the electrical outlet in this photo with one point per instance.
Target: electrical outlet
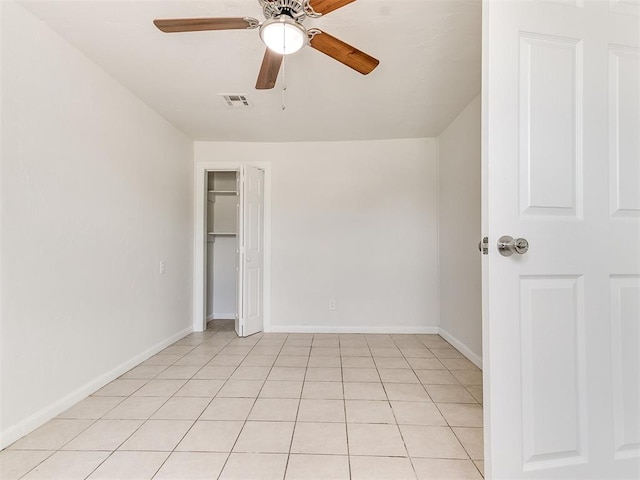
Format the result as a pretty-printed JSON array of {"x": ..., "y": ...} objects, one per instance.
[
  {"x": 332, "y": 304},
  {"x": 163, "y": 268}
]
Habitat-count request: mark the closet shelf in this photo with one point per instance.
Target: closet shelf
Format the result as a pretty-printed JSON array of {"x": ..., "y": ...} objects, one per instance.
[
  {"x": 223, "y": 192},
  {"x": 222, "y": 234}
]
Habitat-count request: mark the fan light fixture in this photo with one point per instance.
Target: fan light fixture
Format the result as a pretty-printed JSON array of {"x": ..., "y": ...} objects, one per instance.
[{"x": 283, "y": 35}]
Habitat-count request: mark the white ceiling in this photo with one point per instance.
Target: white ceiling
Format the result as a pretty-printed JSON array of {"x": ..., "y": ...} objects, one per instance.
[{"x": 429, "y": 54}]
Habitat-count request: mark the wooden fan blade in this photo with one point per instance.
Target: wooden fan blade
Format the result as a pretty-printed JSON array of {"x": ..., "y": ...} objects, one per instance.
[
  {"x": 344, "y": 53},
  {"x": 269, "y": 70},
  {"x": 202, "y": 24},
  {"x": 327, "y": 6}
]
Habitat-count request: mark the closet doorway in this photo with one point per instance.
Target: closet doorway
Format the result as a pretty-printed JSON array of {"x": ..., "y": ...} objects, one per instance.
[{"x": 230, "y": 221}]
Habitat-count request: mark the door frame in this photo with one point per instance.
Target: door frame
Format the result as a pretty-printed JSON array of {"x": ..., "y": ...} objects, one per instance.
[{"x": 199, "y": 248}]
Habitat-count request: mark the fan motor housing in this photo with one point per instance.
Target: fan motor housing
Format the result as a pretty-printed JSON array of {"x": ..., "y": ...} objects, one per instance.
[{"x": 295, "y": 9}]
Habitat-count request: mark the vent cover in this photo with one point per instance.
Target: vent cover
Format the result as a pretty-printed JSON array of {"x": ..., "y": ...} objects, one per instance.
[{"x": 235, "y": 100}]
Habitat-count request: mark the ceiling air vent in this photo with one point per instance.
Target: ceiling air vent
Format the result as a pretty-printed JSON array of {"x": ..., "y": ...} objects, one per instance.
[{"x": 235, "y": 100}]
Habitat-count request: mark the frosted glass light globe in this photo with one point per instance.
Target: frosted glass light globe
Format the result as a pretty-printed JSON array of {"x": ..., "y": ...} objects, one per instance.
[{"x": 283, "y": 35}]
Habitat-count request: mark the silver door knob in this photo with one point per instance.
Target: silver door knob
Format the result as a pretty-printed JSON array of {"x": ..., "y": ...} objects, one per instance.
[{"x": 507, "y": 246}]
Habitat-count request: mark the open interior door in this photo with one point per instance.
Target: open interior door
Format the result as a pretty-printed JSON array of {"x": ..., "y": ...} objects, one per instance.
[
  {"x": 561, "y": 169},
  {"x": 251, "y": 255}
]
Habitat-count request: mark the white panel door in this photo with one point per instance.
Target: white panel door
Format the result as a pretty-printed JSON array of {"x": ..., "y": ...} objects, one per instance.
[
  {"x": 561, "y": 168},
  {"x": 250, "y": 301}
]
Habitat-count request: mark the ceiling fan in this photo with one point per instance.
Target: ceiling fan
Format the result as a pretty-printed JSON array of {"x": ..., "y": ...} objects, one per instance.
[{"x": 283, "y": 33}]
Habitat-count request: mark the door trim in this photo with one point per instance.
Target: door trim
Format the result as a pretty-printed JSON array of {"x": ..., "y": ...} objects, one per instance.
[{"x": 199, "y": 269}]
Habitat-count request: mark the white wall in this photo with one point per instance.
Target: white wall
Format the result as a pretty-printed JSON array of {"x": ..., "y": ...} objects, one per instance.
[
  {"x": 350, "y": 221},
  {"x": 96, "y": 190},
  {"x": 459, "y": 232}
]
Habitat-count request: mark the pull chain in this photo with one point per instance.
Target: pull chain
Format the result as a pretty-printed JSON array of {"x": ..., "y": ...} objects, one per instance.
[{"x": 284, "y": 70}]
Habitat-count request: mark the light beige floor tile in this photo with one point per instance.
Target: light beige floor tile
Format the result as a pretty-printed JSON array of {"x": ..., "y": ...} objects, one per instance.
[
  {"x": 391, "y": 362},
  {"x": 441, "y": 469},
  {"x": 446, "y": 353},
  {"x": 397, "y": 375},
  {"x": 324, "y": 362},
  {"x": 417, "y": 413},
  {"x": 281, "y": 389},
  {"x": 210, "y": 436},
  {"x": 469, "y": 378},
  {"x": 134, "y": 408},
  {"x": 275, "y": 409},
  {"x": 432, "y": 442},
  {"x": 294, "y": 341},
  {"x": 461, "y": 415},
  {"x": 472, "y": 441},
  {"x": 325, "y": 351},
  {"x": 364, "y": 391},
  {"x": 369, "y": 411},
  {"x": 360, "y": 374},
  {"x": 192, "y": 466},
  {"x": 323, "y": 390},
  {"x": 409, "y": 392},
  {"x": 15, "y": 463},
  {"x": 434, "y": 341},
  {"x": 436, "y": 377},
  {"x": 177, "y": 350},
  {"x": 228, "y": 409},
  {"x": 255, "y": 359},
  {"x": 104, "y": 435},
  {"x": 144, "y": 372},
  {"x": 181, "y": 408},
  {"x": 179, "y": 372},
  {"x": 252, "y": 466},
  {"x": 217, "y": 372},
  {"x": 410, "y": 353},
  {"x": 67, "y": 466},
  {"x": 318, "y": 467},
  {"x": 377, "y": 440},
  {"x": 321, "y": 411},
  {"x": 120, "y": 388},
  {"x": 476, "y": 392},
  {"x": 449, "y": 394},
  {"x": 160, "y": 388},
  {"x": 236, "y": 350},
  {"x": 158, "y": 435},
  {"x": 291, "y": 361},
  {"x": 480, "y": 466},
  {"x": 200, "y": 388},
  {"x": 324, "y": 374},
  {"x": 129, "y": 466},
  {"x": 91, "y": 407},
  {"x": 241, "y": 389},
  {"x": 426, "y": 364},
  {"x": 325, "y": 342},
  {"x": 381, "y": 468},
  {"x": 358, "y": 362},
  {"x": 291, "y": 374},
  {"x": 226, "y": 360},
  {"x": 355, "y": 352},
  {"x": 459, "y": 364},
  {"x": 301, "y": 351},
  {"x": 52, "y": 435},
  {"x": 161, "y": 359},
  {"x": 320, "y": 438},
  {"x": 385, "y": 352},
  {"x": 265, "y": 437},
  {"x": 251, "y": 373}
]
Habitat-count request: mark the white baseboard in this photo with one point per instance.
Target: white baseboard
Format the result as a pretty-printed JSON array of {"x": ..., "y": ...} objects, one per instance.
[
  {"x": 221, "y": 316},
  {"x": 17, "y": 431},
  {"x": 350, "y": 329},
  {"x": 461, "y": 347}
]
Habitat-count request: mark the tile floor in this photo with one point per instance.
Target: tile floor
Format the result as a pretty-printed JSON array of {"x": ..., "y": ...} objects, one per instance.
[{"x": 271, "y": 406}]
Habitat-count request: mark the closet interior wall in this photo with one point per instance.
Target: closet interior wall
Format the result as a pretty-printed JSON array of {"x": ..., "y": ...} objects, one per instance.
[{"x": 222, "y": 244}]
